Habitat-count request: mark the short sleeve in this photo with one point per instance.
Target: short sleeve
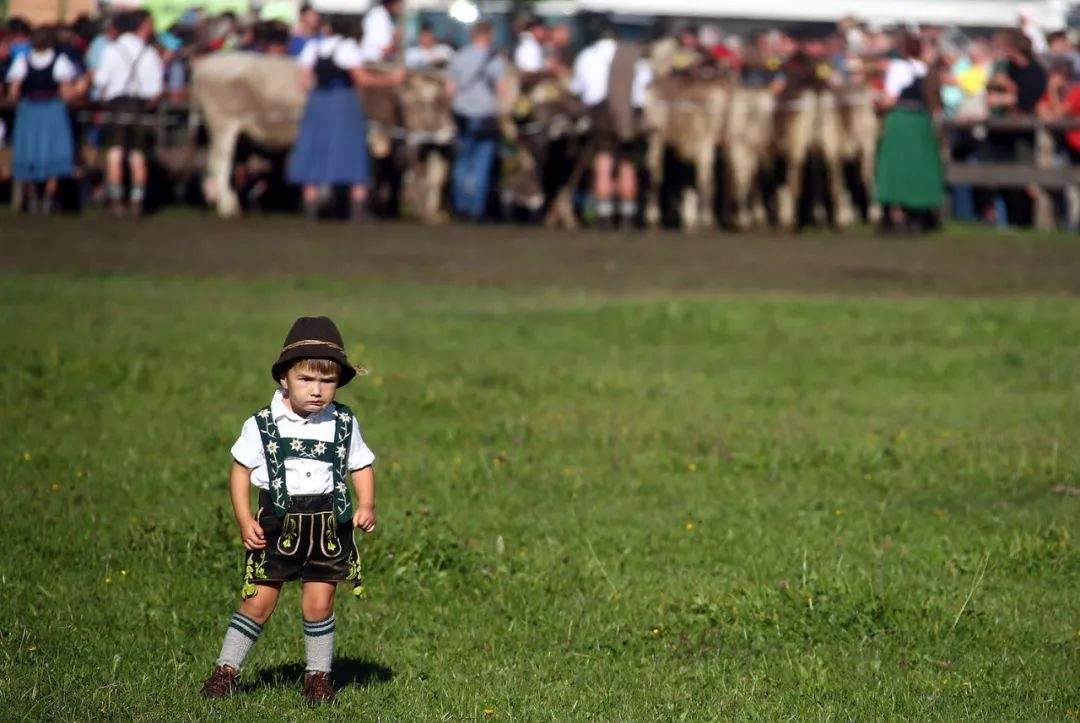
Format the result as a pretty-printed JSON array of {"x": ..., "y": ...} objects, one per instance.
[
  {"x": 347, "y": 55},
  {"x": 18, "y": 70},
  {"x": 306, "y": 58},
  {"x": 64, "y": 71},
  {"x": 359, "y": 454},
  {"x": 248, "y": 449},
  {"x": 898, "y": 76}
]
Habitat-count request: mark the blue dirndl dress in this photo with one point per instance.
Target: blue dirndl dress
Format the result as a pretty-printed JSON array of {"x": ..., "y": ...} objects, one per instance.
[
  {"x": 331, "y": 147},
  {"x": 42, "y": 143}
]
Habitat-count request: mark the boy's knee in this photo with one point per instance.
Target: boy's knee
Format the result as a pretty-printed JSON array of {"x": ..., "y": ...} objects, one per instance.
[
  {"x": 260, "y": 607},
  {"x": 318, "y": 610}
]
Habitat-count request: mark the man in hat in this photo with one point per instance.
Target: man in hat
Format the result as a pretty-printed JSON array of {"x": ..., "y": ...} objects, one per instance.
[{"x": 300, "y": 451}]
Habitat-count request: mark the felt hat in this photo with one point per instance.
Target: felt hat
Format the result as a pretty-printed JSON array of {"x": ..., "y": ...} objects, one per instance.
[{"x": 314, "y": 337}]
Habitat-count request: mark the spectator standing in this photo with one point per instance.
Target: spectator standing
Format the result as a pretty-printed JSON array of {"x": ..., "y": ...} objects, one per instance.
[
  {"x": 308, "y": 24},
  {"x": 476, "y": 73},
  {"x": 331, "y": 148},
  {"x": 529, "y": 54},
  {"x": 18, "y": 34},
  {"x": 610, "y": 77},
  {"x": 379, "y": 39},
  {"x": 1017, "y": 86},
  {"x": 1062, "y": 101},
  {"x": 129, "y": 80},
  {"x": 428, "y": 52},
  {"x": 909, "y": 181},
  {"x": 44, "y": 149}
]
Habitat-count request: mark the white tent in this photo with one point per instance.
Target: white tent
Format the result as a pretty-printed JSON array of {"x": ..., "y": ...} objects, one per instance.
[{"x": 1050, "y": 14}]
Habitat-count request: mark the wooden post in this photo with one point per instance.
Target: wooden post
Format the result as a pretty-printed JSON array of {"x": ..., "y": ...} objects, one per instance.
[{"x": 1044, "y": 158}]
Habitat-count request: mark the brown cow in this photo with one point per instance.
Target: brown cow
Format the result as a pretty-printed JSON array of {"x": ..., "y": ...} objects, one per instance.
[
  {"x": 261, "y": 97},
  {"x": 685, "y": 111},
  {"x": 808, "y": 121}
]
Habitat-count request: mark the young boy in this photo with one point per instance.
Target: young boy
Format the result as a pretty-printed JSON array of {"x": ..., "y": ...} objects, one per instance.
[{"x": 299, "y": 451}]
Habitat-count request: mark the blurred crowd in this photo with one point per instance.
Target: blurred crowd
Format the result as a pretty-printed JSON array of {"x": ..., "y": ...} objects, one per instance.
[{"x": 124, "y": 62}]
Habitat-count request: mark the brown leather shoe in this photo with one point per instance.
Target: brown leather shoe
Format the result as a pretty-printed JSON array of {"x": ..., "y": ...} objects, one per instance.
[
  {"x": 221, "y": 682},
  {"x": 318, "y": 688}
]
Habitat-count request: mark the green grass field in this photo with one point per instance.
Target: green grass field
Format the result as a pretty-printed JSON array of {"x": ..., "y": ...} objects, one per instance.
[{"x": 619, "y": 508}]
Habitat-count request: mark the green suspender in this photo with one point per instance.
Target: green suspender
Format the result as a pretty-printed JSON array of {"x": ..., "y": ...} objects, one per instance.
[{"x": 277, "y": 449}]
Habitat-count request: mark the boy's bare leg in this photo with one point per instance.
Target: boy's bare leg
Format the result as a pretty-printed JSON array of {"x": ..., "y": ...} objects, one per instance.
[{"x": 260, "y": 606}]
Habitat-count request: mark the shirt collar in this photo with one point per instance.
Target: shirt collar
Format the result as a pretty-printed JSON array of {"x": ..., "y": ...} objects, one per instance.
[{"x": 280, "y": 411}]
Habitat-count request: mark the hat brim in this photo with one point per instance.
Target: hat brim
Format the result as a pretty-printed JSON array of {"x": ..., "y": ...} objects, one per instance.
[{"x": 313, "y": 351}]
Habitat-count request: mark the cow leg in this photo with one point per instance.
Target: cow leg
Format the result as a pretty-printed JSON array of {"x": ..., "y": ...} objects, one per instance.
[
  {"x": 843, "y": 210},
  {"x": 438, "y": 171},
  {"x": 218, "y": 184},
  {"x": 866, "y": 168},
  {"x": 832, "y": 152},
  {"x": 742, "y": 171},
  {"x": 787, "y": 196},
  {"x": 706, "y": 185},
  {"x": 654, "y": 163}
]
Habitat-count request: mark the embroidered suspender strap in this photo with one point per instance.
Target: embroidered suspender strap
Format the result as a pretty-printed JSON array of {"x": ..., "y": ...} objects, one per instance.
[
  {"x": 274, "y": 452},
  {"x": 276, "y": 449},
  {"x": 342, "y": 438}
]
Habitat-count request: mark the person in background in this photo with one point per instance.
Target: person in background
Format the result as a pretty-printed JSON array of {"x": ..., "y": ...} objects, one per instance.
[
  {"x": 558, "y": 49},
  {"x": 1014, "y": 90},
  {"x": 476, "y": 73},
  {"x": 18, "y": 35},
  {"x": 610, "y": 77},
  {"x": 331, "y": 148},
  {"x": 1062, "y": 101},
  {"x": 308, "y": 25},
  {"x": 378, "y": 42},
  {"x": 909, "y": 180},
  {"x": 529, "y": 56},
  {"x": 1027, "y": 24},
  {"x": 44, "y": 148},
  {"x": 1061, "y": 48},
  {"x": 428, "y": 53},
  {"x": 129, "y": 80}
]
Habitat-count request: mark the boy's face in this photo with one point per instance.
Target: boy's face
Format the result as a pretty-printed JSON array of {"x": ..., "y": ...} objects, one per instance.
[{"x": 308, "y": 389}]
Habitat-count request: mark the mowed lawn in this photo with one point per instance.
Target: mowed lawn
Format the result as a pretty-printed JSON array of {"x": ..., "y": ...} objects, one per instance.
[{"x": 615, "y": 508}]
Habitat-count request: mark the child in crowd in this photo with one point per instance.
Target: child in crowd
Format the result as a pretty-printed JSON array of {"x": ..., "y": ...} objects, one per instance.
[{"x": 300, "y": 451}]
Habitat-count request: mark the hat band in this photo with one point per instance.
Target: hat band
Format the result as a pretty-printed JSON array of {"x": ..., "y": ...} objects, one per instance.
[
  {"x": 360, "y": 371},
  {"x": 312, "y": 342}
]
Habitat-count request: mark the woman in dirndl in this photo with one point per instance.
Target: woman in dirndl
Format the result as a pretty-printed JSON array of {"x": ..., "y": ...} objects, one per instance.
[
  {"x": 44, "y": 149},
  {"x": 909, "y": 180},
  {"x": 331, "y": 148}
]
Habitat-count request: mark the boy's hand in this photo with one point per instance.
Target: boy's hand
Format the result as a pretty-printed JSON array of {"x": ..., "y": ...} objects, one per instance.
[
  {"x": 252, "y": 534},
  {"x": 364, "y": 518}
]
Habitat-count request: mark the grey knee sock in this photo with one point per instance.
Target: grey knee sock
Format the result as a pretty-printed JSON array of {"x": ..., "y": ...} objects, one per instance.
[
  {"x": 241, "y": 635},
  {"x": 319, "y": 644}
]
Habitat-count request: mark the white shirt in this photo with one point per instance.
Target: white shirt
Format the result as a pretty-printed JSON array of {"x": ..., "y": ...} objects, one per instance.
[
  {"x": 63, "y": 72},
  {"x": 302, "y": 476},
  {"x": 592, "y": 70},
  {"x": 378, "y": 34},
  {"x": 345, "y": 52},
  {"x": 115, "y": 77},
  {"x": 902, "y": 73},
  {"x": 529, "y": 55}
]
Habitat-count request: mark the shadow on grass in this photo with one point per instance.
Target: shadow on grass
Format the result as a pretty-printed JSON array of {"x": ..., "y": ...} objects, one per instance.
[{"x": 347, "y": 671}]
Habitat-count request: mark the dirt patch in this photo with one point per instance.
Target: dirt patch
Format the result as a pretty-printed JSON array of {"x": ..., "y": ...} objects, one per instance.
[{"x": 853, "y": 262}]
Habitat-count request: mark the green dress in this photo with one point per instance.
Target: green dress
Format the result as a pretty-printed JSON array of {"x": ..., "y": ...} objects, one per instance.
[{"x": 908, "y": 161}]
